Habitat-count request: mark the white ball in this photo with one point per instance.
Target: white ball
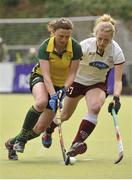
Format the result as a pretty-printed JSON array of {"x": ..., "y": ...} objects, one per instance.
[{"x": 72, "y": 160}]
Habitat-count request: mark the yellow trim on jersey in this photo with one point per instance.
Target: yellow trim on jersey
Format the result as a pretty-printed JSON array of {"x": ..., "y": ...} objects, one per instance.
[
  {"x": 69, "y": 45},
  {"x": 50, "y": 46}
]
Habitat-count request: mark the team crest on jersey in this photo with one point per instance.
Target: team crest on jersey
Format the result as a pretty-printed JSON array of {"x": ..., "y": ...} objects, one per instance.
[
  {"x": 98, "y": 64},
  {"x": 110, "y": 59}
]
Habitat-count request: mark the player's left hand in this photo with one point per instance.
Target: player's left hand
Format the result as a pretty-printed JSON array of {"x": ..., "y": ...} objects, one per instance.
[
  {"x": 114, "y": 104},
  {"x": 61, "y": 94}
]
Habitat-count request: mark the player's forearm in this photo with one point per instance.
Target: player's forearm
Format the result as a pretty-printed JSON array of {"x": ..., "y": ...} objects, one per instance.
[
  {"x": 45, "y": 69},
  {"x": 69, "y": 81},
  {"x": 49, "y": 86},
  {"x": 72, "y": 73},
  {"x": 117, "y": 88}
]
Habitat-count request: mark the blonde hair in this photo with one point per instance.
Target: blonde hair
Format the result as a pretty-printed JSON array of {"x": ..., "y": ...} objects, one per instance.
[
  {"x": 105, "y": 23},
  {"x": 61, "y": 23}
]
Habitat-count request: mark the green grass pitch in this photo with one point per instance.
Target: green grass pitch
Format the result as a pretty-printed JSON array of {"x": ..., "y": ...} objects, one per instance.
[{"x": 39, "y": 163}]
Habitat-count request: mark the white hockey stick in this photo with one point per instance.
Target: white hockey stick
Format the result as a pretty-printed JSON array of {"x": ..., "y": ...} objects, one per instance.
[{"x": 118, "y": 137}]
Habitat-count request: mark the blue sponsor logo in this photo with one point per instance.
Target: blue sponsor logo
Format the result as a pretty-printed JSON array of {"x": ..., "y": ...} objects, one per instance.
[{"x": 99, "y": 65}]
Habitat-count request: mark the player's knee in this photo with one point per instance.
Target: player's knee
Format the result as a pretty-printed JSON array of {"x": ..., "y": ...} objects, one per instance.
[
  {"x": 95, "y": 108},
  {"x": 40, "y": 104}
]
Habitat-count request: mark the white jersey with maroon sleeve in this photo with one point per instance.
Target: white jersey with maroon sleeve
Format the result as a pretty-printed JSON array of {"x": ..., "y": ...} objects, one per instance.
[{"x": 94, "y": 67}]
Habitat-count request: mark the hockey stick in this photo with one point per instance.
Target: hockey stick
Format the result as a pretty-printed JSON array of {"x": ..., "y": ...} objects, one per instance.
[
  {"x": 118, "y": 136},
  {"x": 66, "y": 158}
]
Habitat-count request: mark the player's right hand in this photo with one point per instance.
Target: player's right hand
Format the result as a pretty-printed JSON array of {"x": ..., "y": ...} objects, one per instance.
[
  {"x": 53, "y": 102},
  {"x": 114, "y": 104}
]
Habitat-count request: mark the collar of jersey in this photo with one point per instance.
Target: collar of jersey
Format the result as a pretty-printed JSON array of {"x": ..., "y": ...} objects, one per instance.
[{"x": 50, "y": 47}]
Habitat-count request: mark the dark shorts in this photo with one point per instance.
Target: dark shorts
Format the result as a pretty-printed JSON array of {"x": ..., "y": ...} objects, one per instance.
[
  {"x": 34, "y": 79},
  {"x": 77, "y": 89}
]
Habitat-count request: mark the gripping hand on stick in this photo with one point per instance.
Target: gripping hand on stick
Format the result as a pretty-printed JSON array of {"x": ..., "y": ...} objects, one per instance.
[
  {"x": 114, "y": 104},
  {"x": 62, "y": 93},
  {"x": 53, "y": 102}
]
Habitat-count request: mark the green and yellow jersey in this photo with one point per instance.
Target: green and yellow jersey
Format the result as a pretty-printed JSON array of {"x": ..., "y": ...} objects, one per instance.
[{"x": 59, "y": 63}]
